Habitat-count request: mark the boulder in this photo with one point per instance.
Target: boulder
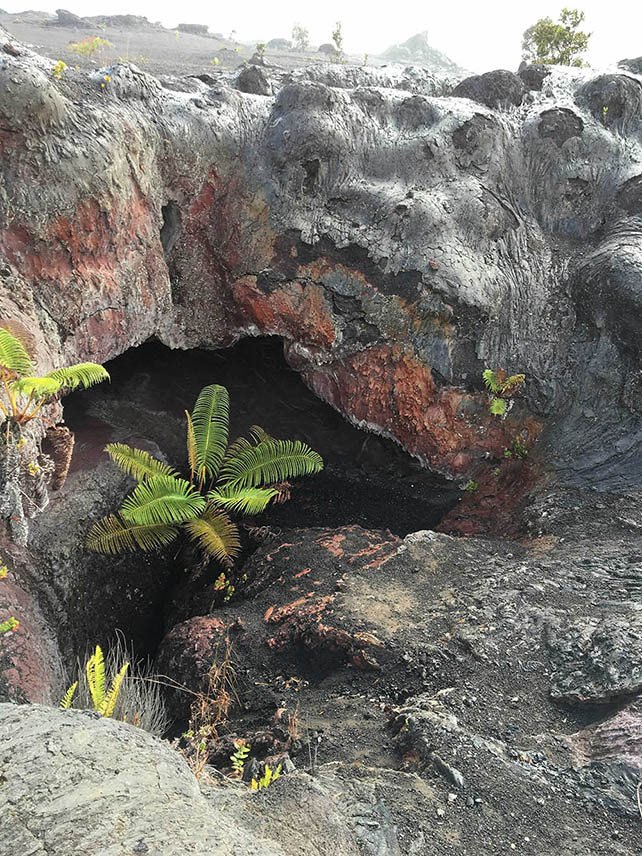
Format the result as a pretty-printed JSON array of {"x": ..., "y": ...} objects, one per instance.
[
  {"x": 252, "y": 79},
  {"x": 497, "y": 89}
]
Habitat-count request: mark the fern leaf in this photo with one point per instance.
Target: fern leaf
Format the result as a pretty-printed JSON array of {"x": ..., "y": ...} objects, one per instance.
[
  {"x": 235, "y": 448},
  {"x": 38, "y": 387},
  {"x": 80, "y": 375},
  {"x": 96, "y": 677},
  {"x": 269, "y": 462},
  {"x": 109, "y": 702},
  {"x": 259, "y": 435},
  {"x": 191, "y": 447},
  {"x": 162, "y": 499},
  {"x": 498, "y": 407},
  {"x": 13, "y": 354},
  {"x": 111, "y": 535},
  {"x": 248, "y": 500},
  {"x": 69, "y": 696},
  {"x": 512, "y": 384},
  {"x": 210, "y": 423},
  {"x": 216, "y": 534},
  {"x": 137, "y": 462},
  {"x": 490, "y": 379}
]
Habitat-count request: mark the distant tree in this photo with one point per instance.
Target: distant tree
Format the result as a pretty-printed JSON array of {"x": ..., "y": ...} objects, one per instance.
[
  {"x": 337, "y": 37},
  {"x": 300, "y": 37},
  {"x": 560, "y": 43}
]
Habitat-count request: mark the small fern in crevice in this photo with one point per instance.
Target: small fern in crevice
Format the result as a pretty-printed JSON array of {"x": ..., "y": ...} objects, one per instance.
[
  {"x": 242, "y": 478},
  {"x": 502, "y": 388}
]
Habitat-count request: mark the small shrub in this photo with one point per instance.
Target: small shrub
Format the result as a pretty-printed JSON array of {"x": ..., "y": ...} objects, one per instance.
[
  {"x": 89, "y": 46},
  {"x": 58, "y": 69}
]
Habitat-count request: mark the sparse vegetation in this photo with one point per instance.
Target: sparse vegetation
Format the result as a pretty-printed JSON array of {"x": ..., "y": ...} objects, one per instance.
[
  {"x": 560, "y": 43},
  {"x": 300, "y": 37},
  {"x": 90, "y": 46},
  {"x": 243, "y": 478},
  {"x": 11, "y": 624},
  {"x": 502, "y": 389},
  {"x": 337, "y": 38},
  {"x": 26, "y": 394},
  {"x": 269, "y": 776},
  {"x": 134, "y": 695},
  {"x": 58, "y": 69}
]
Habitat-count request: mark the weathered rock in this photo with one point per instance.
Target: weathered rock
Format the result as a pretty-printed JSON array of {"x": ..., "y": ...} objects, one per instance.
[
  {"x": 592, "y": 656},
  {"x": 252, "y": 79},
  {"x": 633, "y": 65},
  {"x": 497, "y": 89},
  {"x": 55, "y": 762},
  {"x": 69, "y": 19},
  {"x": 354, "y": 263},
  {"x": 533, "y": 76}
]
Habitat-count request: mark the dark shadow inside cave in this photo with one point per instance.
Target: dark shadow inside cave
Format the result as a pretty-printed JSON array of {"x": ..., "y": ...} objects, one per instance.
[{"x": 367, "y": 480}]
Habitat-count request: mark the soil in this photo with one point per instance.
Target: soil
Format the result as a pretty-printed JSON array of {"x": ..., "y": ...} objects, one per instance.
[{"x": 157, "y": 50}]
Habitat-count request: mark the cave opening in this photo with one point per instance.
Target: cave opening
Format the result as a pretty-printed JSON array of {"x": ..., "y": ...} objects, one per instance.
[{"x": 367, "y": 480}]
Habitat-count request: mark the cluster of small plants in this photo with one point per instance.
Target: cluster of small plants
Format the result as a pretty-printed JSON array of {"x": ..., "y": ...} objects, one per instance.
[{"x": 89, "y": 46}]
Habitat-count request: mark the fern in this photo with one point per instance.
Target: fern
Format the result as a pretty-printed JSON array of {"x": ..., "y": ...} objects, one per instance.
[
  {"x": 137, "y": 462},
  {"x": 210, "y": 424},
  {"x": 269, "y": 462},
  {"x": 191, "y": 447},
  {"x": 111, "y": 535},
  {"x": 13, "y": 354},
  {"x": 162, "y": 499},
  {"x": 96, "y": 677},
  {"x": 81, "y": 375},
  {"x": 249, "y": 500},
  {"x": 491, "y": 381},
  {"x": 498, "y": 407},
  {"x": 70, "y": 378},
  {"x": 216, "y": 534},
  {"x": 109, "y": 701},
  {"x": 69, "y": 695}
]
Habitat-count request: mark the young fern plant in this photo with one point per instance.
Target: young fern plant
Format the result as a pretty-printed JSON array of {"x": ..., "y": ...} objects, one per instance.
[
  {"x": 502, "y": 388},
  {"x": 104, "y": 701},
  {"x": 241, "y": 478},
  {"x": 25, "y": 394}
]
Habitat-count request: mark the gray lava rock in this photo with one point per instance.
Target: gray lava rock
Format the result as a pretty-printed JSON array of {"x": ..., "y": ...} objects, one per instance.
[
  {"x": 69, "y": 19},
  {"x": 633, "y": 65},
  {"x": 498, "y": 89},
  {"x": 253, "y": 80},
  {"x": 533, "y": 76},
  {"x": 597, "y": 659},
  {"x": 60, "y": 768}
]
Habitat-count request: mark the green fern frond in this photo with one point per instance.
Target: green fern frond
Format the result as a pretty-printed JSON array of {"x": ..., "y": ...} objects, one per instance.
[
  {"x": 210, "y": 422},
  {"x": 81, "y": 375},
  {"x": 270, "y": 462},
  {"x": 512, "y": 384},
  {"x": 109, "y": 702},
  {"x": 69, "y": 696},
  {"x": 241, "y": 444},
  {"x": 111, "y": 535},
  {"x": 38, "y": 387},
  {"x": 13, "y": 354},
  {"x": 191, "y": 446},
  {"x": 137, "y": 462},
  {"x": 95, "y": 670},
  {"x": 162, "y": 499},
  {"x": 216, "y": 534},
  {"x": 247, "y": 500},
  {"x": 498, "y": 407},
  {"x": 491, "y": 380},
  {"x": 259, "y": 435}
]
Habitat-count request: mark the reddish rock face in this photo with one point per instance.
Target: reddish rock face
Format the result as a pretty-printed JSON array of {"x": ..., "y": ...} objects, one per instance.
[
  {"x": 29, "y": 660},
  {"x": 390, "y": 390}
]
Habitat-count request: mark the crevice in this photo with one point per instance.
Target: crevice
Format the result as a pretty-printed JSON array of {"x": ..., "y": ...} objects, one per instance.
[{"x": 171, "y": 228}]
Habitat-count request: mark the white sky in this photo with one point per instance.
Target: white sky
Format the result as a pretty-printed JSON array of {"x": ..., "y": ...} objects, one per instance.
[{"x": 477, "y": 35}]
